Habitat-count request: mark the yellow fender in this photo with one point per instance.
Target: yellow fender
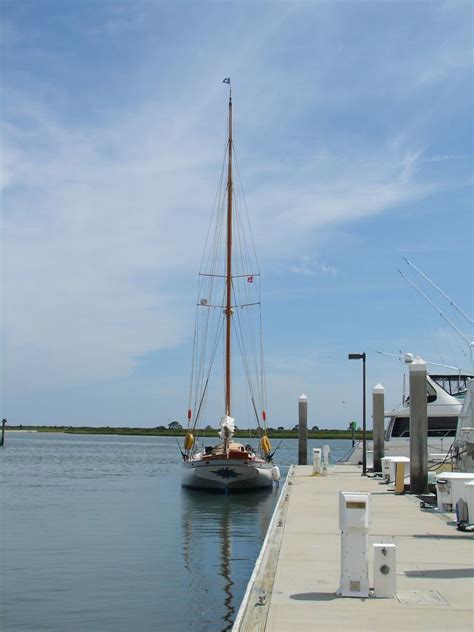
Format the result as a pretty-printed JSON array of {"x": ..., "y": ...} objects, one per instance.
[
  {"x": 266, "y": 445},
  {"x": 188, "y": 441}
]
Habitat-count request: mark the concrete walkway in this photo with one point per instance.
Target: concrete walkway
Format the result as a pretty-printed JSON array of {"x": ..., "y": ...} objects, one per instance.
[{"x": 294, "y": 584}]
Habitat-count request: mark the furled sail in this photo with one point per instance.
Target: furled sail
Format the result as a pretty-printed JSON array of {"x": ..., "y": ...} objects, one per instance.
[{"x": 227, "y": 427}]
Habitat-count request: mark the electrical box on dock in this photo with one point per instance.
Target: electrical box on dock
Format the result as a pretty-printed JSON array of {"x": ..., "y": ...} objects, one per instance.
[
  {"x": 386, "y": 467},
  {"x": 354, "y": 522},
  {"x": 393, "y": 464},
  {"x": 450, "y": 487},
  {"x": 316, "y": 460},
  {"x": 469, "y": 498},
  {"x": 385, "y": 571}
]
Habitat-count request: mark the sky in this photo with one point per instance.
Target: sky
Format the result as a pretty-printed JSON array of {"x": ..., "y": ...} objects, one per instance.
[{"x": 353, "y": 127}]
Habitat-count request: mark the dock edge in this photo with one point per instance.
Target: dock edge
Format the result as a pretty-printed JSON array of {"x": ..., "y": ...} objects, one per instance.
[{"x": 253, "y": 611}]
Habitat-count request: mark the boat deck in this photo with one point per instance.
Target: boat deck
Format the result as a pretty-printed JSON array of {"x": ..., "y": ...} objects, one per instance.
[{"x": 296, "y": 577}]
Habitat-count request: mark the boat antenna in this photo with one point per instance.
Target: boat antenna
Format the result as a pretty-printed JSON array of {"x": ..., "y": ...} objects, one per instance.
[
  {"x": 451, "y": 302},
  {"x": 405, "y": 358}
]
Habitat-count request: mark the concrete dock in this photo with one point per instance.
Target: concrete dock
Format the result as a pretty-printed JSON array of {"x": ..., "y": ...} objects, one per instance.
[{"x": 293, "y": 587}]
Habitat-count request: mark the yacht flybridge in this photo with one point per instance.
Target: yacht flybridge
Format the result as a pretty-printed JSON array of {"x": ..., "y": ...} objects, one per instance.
[{"x": 228, "y": 313}]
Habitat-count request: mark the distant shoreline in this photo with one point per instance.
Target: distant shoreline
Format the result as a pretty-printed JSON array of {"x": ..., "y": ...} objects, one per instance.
[{"x": 166, "y": 432}]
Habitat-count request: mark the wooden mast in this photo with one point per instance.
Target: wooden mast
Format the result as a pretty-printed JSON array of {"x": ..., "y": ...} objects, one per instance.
[{"x": 228, "y": 310}]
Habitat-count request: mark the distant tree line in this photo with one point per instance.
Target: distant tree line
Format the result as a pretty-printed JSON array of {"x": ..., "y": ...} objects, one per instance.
[{"x": 174, "y": 428}]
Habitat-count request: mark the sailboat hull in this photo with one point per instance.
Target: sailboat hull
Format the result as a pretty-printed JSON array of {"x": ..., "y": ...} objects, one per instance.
[{"x": 227, "y": 474}]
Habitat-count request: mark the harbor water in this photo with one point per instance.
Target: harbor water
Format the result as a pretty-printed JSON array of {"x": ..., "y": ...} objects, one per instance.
[{"x": 96, "y": 533}]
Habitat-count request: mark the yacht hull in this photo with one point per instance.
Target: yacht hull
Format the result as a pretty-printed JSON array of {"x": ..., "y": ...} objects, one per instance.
[
  {"x": 227, "y": 474},
  {"x": 399, "y": 447}
]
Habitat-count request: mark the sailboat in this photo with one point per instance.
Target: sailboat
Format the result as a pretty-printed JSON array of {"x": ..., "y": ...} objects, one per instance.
[{"x": 228, "y": 311}]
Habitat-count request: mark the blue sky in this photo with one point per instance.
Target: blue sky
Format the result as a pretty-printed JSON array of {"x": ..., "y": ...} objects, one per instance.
[{"x": 354, "y": 133}]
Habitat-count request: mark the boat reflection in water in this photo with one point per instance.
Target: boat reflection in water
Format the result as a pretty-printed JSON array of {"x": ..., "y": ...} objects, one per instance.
[{"x": 222, "y": 536}]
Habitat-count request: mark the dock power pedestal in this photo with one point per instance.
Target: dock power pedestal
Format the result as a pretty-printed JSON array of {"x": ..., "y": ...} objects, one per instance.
[
  {"x": 385, "y": 572},
  {"x": 325, "y": 460},
  {"x": 317, "y": 461},
  {"x": 354, "y": 522}
]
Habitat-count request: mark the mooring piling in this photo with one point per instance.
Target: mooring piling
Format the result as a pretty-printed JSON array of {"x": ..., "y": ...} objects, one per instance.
[
  {"x": 303, "y": 430},
  {"x": 2, "y": 440},
  {"x": 353, "y": 427},
  {"x": 418, "y": 427},
  {"x": 378, "y": 402}
]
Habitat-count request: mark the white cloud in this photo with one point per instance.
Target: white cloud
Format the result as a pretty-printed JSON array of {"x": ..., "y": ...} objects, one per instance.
[
  {"x": 309, "y": 266},
  {"x": 103, "y": 225},
  {"x": 332, "y": 189},
  {"x": 97, "y": 230},
  {"x": 104, "y": 221}
]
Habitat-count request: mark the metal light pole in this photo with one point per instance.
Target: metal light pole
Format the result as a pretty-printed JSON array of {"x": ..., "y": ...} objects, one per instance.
[{"x": 361, "y": 356}]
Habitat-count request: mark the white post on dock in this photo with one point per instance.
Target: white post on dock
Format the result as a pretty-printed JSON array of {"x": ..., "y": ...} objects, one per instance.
[
  {"x": 303, "y": 430},
  {"x": 378, "y": 403},
  {"x": 317, "y": 461},
  {"x": 325, "y": 459},
  {"x": 418, "y": 428}
]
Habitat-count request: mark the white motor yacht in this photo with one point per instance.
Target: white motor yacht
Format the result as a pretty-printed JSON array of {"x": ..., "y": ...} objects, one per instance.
[{"x": 443, "y": 413}]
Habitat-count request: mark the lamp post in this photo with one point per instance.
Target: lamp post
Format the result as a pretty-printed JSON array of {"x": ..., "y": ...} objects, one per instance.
[{"x": 361, "y": 356}]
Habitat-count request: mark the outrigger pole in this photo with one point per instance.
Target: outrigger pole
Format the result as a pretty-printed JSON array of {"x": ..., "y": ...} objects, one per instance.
[
  {"x": 451, "y": 302},
  {"x": 470, "y": 344}
]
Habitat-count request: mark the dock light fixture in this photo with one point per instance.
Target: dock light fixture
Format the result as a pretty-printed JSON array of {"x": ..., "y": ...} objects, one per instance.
[{"x": 362, "y": 356}]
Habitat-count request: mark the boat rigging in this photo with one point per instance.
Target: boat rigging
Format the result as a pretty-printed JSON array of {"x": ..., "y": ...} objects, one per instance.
[{"x": 228, "y": 312}]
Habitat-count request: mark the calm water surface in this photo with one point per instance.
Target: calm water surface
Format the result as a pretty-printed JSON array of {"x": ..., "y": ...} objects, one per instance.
[{"x": 96, "y": 533}]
